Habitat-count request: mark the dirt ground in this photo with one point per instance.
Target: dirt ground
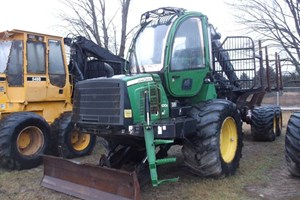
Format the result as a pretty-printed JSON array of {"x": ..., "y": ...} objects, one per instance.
[{"x": 262, "y": 175}]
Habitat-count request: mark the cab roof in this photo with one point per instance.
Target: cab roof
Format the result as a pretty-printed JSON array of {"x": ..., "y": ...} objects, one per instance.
[{"x": 9, "y": 33}]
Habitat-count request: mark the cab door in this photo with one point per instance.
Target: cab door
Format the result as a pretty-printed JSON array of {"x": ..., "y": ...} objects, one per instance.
[
  {"x": 57, "y": 89},
  {"x": 187, "y": 70},
  {"x": 36, "y": 79}
]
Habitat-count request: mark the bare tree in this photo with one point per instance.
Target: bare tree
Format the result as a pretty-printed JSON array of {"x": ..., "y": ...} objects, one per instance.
[
  {"x": 83, "y": 20},
  {"x": 89, "y": 18},
  {"x": 125, "y": 7},
  {"x": 276, "y": 21}
]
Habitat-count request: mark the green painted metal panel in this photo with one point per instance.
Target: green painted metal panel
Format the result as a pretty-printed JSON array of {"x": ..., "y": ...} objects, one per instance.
[
  {"x": 208, "y": 91},
  {"x": 136, "y": 85}
]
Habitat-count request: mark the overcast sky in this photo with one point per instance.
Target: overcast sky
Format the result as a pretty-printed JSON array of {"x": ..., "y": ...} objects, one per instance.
[{"x": 41, "y": 15}]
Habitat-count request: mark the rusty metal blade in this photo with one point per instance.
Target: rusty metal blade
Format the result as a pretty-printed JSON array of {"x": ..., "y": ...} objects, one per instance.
[{"x": 88, "y": 181}]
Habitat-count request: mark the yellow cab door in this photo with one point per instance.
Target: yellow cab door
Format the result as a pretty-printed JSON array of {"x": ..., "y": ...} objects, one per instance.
[
  {"x": 35, "y": 78},
  {"x": 46, "y": 73},
  {"x": 58, "y": 84}
]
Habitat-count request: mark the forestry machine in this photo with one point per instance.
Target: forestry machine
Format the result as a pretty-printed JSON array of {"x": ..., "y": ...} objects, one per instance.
[
  {"x": 36, "y": 86},
  {"x": 182, "y": 87}
]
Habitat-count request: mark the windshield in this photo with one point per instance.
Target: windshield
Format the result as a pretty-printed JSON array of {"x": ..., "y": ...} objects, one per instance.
[
  {"x": 5, "y": 47},
  {"x": 147, "y": 52}
]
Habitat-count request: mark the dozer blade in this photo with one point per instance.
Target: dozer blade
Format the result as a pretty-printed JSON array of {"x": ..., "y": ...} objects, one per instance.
[{"x": 87, "y": 181}]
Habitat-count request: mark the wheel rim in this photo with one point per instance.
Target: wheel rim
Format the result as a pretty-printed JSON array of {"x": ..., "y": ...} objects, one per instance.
[
  {"x": 274, "y": 124},
  {"x": 228, "y": 139},
  {"x": 30, "y": 141},
  {"x": 280, "y": 121},
  {"x": 80, "y": 141}
]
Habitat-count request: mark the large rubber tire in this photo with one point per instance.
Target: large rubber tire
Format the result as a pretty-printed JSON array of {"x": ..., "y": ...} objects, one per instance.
[
  {"x": 292, "y": 144},
  {"x": 24, "y": 137},
  {"x": 69, "y": 143},
  {"x": 216, "y": 148},
  {"x": 264, "y": 123}
]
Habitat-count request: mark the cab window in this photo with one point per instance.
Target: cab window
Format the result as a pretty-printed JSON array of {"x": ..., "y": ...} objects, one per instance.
[
  {"x": 188, "y": 48},
  {"x": 57, "y": 73},
  {"x": 15, "y": 64},
  {"x": 36, "y": 62}
]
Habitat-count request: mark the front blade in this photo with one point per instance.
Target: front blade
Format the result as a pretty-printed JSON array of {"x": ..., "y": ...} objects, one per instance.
[{"x": 88, "y": 181}]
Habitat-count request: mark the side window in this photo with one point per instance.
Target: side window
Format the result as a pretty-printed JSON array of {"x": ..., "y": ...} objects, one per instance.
[
  {"x": 15, "y": 64},
  {"x": 5, "y": 47},
  {"x": 57, "y": 73},
  {"x": 36, "y": 62},
  {"x": 188, "y": 48}
]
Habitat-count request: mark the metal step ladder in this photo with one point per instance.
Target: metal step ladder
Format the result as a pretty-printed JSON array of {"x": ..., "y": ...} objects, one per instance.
[{"x": 151, "y": 143}]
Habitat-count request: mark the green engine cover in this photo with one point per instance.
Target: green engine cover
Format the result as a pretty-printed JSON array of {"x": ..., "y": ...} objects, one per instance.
[{"x": 136, "y": 86}]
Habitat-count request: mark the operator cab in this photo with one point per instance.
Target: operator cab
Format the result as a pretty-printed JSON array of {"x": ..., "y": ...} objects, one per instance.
[
  {"x": 32, "y": 67},
  {"x": 176, "y": 45}
]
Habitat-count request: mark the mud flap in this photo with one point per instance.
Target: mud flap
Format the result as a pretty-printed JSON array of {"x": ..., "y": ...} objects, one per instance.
[{"x": 87, "y": 181}]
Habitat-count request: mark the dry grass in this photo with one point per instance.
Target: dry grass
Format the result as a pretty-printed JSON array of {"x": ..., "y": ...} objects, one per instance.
[
  {"x": 262, "y": 175},
  {"x": 259, "y": 160}
]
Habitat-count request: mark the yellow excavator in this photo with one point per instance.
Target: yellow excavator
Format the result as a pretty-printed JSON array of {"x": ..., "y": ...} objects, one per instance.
[{"x": 36, "y": 89}]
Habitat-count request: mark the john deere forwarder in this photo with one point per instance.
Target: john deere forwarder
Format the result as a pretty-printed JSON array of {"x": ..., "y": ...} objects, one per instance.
[
  {"x": 182, "y": 87},
  {"x": 36, "y": 90}
]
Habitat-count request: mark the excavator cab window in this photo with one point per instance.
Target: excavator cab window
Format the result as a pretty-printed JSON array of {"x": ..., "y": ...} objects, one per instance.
[
  {"x": 188, "y": 50},
  {"x": 5, "y": 47},
  {"x": 15, "y": 64},
  {"x": 36, "y": 57},
  {"x": 57, "y": 73},
  {"x": 147, "y": 53}
]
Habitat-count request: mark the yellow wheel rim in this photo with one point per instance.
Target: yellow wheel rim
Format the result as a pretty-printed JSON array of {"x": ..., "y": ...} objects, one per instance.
[
  {"x": 280, "y": 121},
  {"x": 30, "y": 141},
  {"x": 228, "y": 139},
  {"x": 274, "y": 124},
  {"x": 80, "y": 141}
]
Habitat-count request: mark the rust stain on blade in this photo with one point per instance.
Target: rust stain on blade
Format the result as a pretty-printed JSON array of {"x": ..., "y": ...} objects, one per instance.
[{"x": 88, "y": 181}]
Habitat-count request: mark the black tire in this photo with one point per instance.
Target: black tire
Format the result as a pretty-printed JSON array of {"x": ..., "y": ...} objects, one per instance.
[
  {"x": 24, "y": 138},
  {"x": 203, "y": 152},
  {"x": 264, "y": 123},
  {"x": 292, "y": 144},
  {"x": 68, "y": 143}
]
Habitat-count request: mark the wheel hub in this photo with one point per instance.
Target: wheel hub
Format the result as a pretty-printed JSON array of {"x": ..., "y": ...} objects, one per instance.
[
  {"x": 80, "y": 141},
  {"x": 24, "y": 140},
  {"x": 30, "y": 140}
]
